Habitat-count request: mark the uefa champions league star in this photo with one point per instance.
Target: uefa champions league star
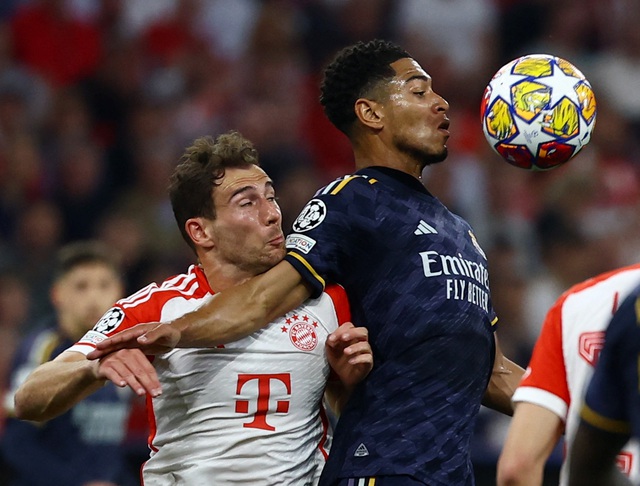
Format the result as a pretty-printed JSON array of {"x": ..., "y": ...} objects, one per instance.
[
  {"x": 415, "y": 275},
  {"x": 549, "y": 398},
  {"x": 248, "y": 412}
]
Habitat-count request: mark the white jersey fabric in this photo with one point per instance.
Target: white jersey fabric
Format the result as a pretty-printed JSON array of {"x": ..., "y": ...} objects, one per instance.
[
  {"x": 565, "y": 354},
  {"x": 248, "y": 412}
]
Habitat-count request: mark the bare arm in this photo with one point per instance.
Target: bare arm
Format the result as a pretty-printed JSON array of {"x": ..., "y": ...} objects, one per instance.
[
  {"x": 593, "y": 458},
  {"x": 505, "y": 378},
  {"x": 56, "y": 386},
  {"x": 231, "y": 315},
  {"x": 533, "y": 433}
]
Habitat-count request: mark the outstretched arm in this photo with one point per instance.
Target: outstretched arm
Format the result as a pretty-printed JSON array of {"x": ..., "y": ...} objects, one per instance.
[
  {"x": 505, "y": 378},
  {"x": 230, "y": 315},
  {"x": 56, "y": 386},
  {"x": 533, "y": 433}
]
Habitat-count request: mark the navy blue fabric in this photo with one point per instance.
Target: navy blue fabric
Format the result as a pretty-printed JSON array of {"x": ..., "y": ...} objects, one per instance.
[
  {"x": 613, "y": 392},
  {"x": 81, "y": 445},
  {"x": 417, "y": 279}
]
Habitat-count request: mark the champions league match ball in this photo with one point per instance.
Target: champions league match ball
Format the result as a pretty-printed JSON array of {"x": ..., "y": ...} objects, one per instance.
[{"x": 538, "y": 111}]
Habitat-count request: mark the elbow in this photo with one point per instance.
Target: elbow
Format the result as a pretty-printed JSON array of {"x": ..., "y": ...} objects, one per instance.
[
  {"x": 24, "y": 407},
  {"x": 512, "y": 471}
]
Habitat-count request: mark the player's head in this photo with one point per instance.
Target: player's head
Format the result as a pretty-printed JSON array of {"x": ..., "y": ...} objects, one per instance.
[
  {"x": 225, "y": 204},
  {"x": 87, "y": 281},
  {"x": 377, "y": 87}
]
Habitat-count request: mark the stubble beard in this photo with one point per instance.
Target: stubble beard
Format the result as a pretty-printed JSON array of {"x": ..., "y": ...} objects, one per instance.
[{"x": 423, "y": 157}]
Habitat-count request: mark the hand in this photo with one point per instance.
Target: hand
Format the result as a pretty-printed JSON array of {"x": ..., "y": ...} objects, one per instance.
[
  {"x": 130, "y": 367},
  {"x": 349, "y": 353},
  {"x": 151, "y": 338}
]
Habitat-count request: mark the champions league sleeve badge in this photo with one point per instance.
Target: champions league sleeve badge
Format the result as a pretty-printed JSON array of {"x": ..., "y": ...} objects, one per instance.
[
  {"x": 311, "y": 216},
  {"x": 109, "y": 321}
]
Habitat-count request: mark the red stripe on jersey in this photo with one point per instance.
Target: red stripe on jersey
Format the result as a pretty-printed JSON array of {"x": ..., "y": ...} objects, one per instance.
[
  {"x": 547, "y": 367},
  {"x": 340, "y": 302},
  {"x": 325, "y": 431}
]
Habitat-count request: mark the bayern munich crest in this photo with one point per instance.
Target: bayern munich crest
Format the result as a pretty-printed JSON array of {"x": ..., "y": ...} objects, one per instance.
[{"x": 302, "y": 331}]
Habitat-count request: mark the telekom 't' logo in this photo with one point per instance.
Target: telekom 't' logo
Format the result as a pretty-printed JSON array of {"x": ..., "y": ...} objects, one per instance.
[{"x": 264, "y": 393}]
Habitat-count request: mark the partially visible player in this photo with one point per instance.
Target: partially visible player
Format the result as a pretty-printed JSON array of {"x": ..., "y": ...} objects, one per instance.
[
  {"x": 549, "y": 398},
  {"x": 84, "y": 445},
  {"x": 611, "y": 412},
  {"x": 415, "y": 274},
  {"x": 248, "y": 412}
]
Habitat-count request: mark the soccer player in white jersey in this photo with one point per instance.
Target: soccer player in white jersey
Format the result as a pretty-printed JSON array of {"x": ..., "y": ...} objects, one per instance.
[
  {"x": 245, "y": 412},
  {"x": 549, "y": 398}
]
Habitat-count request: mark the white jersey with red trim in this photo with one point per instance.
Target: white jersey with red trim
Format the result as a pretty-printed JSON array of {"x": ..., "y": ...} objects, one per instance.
[
  {"x": 565, "y": 354},
  {"x": 248, "y": 412}
]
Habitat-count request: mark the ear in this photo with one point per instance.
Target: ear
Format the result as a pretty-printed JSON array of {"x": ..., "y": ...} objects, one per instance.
[
  {"x": 199, "y": 231},
  {"x": 369, "y": 113},
  {"x": 54, "y": 294}
]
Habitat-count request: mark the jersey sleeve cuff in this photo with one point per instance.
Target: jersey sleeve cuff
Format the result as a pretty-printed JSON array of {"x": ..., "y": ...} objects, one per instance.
[
  {"x": 307, "y": 272},
  {"x": 542, "y": 398},
  {"x": 601, "y": 422}
]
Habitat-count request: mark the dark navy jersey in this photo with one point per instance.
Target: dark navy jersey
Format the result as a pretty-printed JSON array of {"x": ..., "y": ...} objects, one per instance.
[
  {"x": 612, "y": 402},
  {"x": 82, "y": 445},
  {"x": 417, "y": 279}
]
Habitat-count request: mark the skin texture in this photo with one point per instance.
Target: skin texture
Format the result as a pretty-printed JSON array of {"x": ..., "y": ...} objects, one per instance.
[
  {"x": 403, "y": 125},
  {"x": 243, "y": 240},
  {"x": 82, "y": 295},
  {"x": 533, "y": 433},
  {"x": 592, "y": 461}
]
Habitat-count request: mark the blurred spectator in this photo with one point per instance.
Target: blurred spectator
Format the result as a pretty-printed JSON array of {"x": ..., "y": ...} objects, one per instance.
[
  {"x": 82, "y": 446},
  {"x": 97, "y": 98},
  {"x": 82, "y": 188},
  {"x": 14, "y": 312},
  {"x": 49, "y": 40}
]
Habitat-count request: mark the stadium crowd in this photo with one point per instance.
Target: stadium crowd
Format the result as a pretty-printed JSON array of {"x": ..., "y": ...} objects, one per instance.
[{"x": 99, "y": 97}]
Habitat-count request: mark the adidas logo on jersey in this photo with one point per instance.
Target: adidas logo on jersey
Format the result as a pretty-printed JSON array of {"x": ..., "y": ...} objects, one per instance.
[
  {"x": 361, "y": 451},
  {"x": 425, "y": 229}
]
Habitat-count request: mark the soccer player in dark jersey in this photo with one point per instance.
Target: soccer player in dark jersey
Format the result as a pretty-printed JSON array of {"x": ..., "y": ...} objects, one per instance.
[
  {"x": 611, "y": 411},
  {"x": 415, "y": 274}
]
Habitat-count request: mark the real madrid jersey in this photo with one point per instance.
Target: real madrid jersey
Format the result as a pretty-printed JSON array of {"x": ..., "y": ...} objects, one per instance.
[
  {"x": 612, "y": 401},
  {"x": 567, "y": 350},
  {"x": 248, "y": 412},
  {"x": 417, "y": 279}
]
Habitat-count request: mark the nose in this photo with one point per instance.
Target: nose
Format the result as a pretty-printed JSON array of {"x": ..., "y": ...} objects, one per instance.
[
  {"x": 273, "y": 215},
  {"x": 441, "y": 105}
]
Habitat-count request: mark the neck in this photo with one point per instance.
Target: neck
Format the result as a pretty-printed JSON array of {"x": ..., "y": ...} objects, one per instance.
[
  {"x": 221, "y": 275},
  {"x": 368, "y": 155}
]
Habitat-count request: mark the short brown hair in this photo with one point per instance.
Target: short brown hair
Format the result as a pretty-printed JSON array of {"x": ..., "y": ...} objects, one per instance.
[
  {"x": 84, "y": 252},
  {"x": 202, "y": 165}
]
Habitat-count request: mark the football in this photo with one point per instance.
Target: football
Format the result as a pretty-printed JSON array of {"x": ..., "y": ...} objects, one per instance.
[{"x": 538, "y": 111}]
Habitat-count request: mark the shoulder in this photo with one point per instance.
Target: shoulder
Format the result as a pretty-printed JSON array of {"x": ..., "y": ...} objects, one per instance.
[
  {"x": 347, "y": 183},
  {"x": 188, "y": 285}
]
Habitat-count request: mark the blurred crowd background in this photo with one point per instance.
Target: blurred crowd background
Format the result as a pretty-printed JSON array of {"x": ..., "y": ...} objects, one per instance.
[{"x": 98, "y": 99}]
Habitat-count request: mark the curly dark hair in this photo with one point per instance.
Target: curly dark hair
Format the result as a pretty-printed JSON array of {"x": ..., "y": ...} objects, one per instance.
[
  {"x": 352, "y": 74},
  {"x": 201, "y": 167}
]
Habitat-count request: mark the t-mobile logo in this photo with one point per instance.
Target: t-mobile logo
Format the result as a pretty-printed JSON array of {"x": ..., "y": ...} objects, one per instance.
[{"x": 264, "y": 393}]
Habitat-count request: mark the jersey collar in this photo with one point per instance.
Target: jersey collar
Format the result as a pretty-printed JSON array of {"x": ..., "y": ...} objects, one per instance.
[{"x": 394, "y": 177}]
